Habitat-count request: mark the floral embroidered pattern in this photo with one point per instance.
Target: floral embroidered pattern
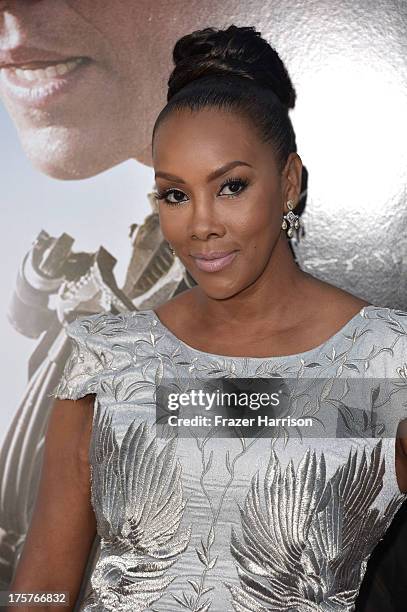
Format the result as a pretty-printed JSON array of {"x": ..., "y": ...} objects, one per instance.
[{"x": 304, "y": 543}]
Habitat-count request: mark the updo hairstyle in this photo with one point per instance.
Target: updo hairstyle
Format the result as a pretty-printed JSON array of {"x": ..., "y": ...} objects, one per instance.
[{"x": 234, "y": 69}]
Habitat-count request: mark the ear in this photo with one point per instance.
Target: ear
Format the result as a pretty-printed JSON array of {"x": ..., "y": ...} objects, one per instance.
[{"x": 291, "y": 178}]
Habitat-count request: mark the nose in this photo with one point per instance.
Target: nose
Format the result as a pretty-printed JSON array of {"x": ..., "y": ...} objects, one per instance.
[{"x": 205, "y": 220}]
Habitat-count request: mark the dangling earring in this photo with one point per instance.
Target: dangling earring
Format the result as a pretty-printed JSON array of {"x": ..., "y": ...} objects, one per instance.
[
  {"x": 292, "y": 219},
  {"x": 171, "y": 249}
]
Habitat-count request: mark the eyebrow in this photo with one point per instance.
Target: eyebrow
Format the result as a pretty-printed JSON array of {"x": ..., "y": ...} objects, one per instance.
[{"x": 212, "y": 176}]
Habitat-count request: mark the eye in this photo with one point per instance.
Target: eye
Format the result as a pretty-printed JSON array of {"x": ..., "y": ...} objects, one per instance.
[
  {"x": 176, "y": 194},
  {"x": 234, "y": 185},
  {"x": 175, "y": 197}
]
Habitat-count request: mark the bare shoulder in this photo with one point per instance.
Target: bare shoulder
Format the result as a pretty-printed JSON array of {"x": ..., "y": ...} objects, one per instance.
[
  {"x": 182, "y": 301},
  {"x": 177, "y": 309}
]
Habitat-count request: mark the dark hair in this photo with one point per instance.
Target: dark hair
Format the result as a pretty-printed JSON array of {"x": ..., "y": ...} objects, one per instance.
[{"x": 234, "y": 69}]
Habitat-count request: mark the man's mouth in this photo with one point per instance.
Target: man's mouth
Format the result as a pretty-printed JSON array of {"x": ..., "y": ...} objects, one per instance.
[
  {"x": 40, "y": 71},
  {"x": 37, "y": 83}
]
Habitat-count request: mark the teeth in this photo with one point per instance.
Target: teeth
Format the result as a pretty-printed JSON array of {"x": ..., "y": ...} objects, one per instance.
[
  {"x": 62, "y": 68},
  {"x": 40, "y": 73},
  {"x": 53, "y": 71}
]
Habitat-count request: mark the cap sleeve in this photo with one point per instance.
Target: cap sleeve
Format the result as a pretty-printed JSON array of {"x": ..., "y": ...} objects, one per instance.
[{"x": 81, "y": 374}]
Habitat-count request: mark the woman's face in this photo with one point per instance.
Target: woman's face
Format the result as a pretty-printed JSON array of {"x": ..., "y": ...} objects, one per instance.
[{"x": 219, "y": 189}]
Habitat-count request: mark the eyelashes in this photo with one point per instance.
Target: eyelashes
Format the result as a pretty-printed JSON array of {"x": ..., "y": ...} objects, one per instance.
[{"x": 233, "y": 181}]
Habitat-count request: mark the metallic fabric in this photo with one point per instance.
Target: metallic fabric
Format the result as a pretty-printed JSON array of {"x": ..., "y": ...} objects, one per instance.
[{"x": 238, "y": 524}]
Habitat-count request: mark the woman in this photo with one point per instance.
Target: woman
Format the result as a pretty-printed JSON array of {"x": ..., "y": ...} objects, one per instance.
[{"x": 233, "y": 514}]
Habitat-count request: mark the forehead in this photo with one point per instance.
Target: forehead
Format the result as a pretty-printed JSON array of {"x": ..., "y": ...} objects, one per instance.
[{"x": 210, "y": 134}]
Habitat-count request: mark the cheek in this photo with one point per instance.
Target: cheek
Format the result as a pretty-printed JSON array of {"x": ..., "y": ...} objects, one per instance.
[
  {"x": 172, "y": 223},
  {"x": 128, "y": 25},
  {"x": 258, "y": 221}
]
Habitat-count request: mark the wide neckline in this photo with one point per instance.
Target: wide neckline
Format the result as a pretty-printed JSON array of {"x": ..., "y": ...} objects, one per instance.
[{"x": 292, "y": 356}]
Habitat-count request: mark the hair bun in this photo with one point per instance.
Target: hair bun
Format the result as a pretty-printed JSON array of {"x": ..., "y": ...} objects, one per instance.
[{"x": 239, "y": 51}]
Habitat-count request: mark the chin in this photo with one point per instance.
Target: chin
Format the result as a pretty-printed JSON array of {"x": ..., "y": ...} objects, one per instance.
[
  {"x": 66, "y": 168},
  {"x": 219, "y": 293},
  {"x": 70, "y": 154}
]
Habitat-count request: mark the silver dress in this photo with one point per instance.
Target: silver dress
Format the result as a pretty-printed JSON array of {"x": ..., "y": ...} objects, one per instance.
[{"x": 236, "y": 523}]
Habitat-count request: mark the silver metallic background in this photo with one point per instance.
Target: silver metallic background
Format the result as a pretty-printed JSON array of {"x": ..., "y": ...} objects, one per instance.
[{"x": 348, "y": 61}]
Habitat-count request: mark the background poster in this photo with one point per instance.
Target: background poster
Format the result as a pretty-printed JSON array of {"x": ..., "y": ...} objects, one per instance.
[{"x": 79, "y": 233}]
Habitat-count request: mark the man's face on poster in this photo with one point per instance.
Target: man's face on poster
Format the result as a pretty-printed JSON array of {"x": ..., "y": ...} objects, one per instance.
[{"x": 83, "y": 79}]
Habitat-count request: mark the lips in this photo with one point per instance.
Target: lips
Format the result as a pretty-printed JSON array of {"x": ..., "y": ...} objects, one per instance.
[
  {"x": 43, "y": 71},
  {"x": 20, "y": 56},
  {"x": 36, "y": 82},
  {"x": 214, "y": 264},
  {"x": 212, "y": 255}
]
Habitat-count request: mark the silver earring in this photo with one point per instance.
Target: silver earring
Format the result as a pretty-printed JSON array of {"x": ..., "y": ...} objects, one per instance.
[
  {"x": 171, "y": 249},
  {"x": 292, "y": 219}
]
